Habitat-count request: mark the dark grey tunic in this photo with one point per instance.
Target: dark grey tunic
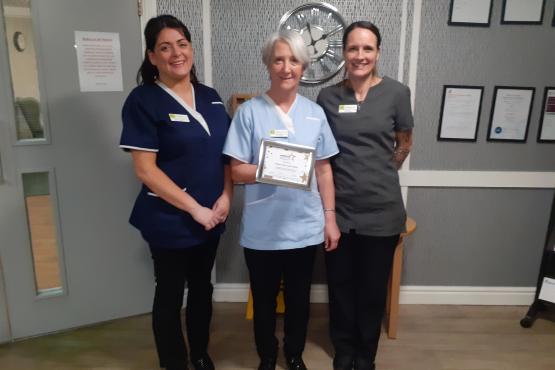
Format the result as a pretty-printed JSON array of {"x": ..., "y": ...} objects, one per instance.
[{"x": 367, "y": 192}]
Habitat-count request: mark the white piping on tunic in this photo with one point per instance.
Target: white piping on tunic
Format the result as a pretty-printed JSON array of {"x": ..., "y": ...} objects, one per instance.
[
  {"x": 138, "y": 148},
  {"x": 157, "y": 196},
  {"x": 284, "y": 117},
  {"x": 192, "y": 111}
]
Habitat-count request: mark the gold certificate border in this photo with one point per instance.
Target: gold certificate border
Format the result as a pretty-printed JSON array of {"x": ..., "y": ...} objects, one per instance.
[{"x": 265, "y": 144}]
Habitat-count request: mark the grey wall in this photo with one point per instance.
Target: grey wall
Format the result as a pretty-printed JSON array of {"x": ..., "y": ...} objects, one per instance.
[
  {"x": 478, "y": 237},
  {"x": 514, "y": 55},
  {"x": 240, "y": 27},
  {"x": 237, "y": 68},
  {"x": 190, "y": 13},
  {"x": 474, "y": 237}
]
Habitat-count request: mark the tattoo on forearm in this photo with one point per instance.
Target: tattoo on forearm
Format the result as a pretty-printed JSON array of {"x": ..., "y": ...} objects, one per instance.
[
  {"x": 402, "y": 148},
  {"x": 399, "y": 156}
]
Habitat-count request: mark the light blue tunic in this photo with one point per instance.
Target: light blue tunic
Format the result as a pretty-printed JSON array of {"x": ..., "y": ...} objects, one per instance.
[{"x": 278, "y": 217}]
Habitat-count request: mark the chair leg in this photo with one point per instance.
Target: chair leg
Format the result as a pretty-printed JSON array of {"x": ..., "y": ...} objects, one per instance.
[
  {"x": 280, "y": 308},
  {"x": 250, "y": 308},
  {"x": 394, "y": 289}
]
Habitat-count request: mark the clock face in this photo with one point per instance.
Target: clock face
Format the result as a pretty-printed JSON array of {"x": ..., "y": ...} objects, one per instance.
[{"x": 321, "y": 27}]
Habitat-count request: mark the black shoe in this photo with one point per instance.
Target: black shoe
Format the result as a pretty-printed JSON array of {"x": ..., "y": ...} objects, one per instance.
[
  {"x": 295, "y": 363},
  {"x": 267, "y": 364},
  {"x": 203, "y": 363},
  {"x": 362, "y": 363},
  {"x": 343, "y": 362}
]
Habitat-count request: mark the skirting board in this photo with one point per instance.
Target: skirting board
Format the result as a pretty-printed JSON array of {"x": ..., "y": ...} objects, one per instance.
[{"x": 500, "y": 296}]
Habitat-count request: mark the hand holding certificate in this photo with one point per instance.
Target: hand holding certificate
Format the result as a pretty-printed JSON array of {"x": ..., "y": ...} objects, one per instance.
[{"x": 285, "y": 164}]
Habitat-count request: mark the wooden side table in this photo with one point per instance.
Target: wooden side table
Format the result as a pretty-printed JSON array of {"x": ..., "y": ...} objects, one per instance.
[{"x": 392, "y": 305}]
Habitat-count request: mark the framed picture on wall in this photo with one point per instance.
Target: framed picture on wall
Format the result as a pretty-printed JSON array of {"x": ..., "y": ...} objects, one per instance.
[
  {"x": 474, "y": 13},
  {"x": 510, "y": 113},
  {"x": 522, "y": 12},
  {"x": 546, "y": 131},
  {"x": 460, "y": 113}
]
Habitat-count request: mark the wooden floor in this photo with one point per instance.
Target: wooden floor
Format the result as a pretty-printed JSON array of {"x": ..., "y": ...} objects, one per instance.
[
  {"x": 43, "y": 241},
  {"x": 430, "y": 338}
]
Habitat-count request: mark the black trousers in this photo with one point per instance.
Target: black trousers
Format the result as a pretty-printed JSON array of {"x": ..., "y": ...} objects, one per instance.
[
  {"x": 358, "y": 272},
  {"x": 172, "y": 268},
  {"x": 266, "y": 269}
]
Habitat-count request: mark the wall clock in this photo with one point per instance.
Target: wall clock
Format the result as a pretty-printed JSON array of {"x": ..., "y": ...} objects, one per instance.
[
  {"x": 321, "y": 27},
  {"x": 19, "y": 41}
]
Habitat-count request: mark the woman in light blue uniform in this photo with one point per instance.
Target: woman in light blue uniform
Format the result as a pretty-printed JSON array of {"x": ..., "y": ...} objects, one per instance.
[
  {"x": 281, "y": 226},
  {"x": 175, "y": 128}
]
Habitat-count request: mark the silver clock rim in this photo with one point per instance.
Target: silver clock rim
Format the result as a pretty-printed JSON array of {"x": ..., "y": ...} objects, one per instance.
[
  {"x": 309, "y": 5},
  {"x": 288, "y": 14},
  {"x": 307, "y": 81}
]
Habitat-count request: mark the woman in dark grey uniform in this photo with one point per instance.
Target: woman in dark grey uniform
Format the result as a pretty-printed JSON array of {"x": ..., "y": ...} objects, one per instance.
[{"x": 371, "y": 119}]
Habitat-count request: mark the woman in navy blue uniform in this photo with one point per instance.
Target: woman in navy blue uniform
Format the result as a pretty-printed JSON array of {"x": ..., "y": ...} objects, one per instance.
[{"x": 175, "y": 129}]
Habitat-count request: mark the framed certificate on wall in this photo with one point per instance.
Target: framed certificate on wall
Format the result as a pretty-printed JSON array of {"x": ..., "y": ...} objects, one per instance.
[
  {"x": 460, "y": 113},
  {"x": 474, "y": 13},
  {"x": 522, "y": 11},
  {"x": 546, "y": 131},
  {"x": 510, "y": 113}
]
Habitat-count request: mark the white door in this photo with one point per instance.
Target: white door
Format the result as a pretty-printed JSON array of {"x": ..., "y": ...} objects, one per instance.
[{"x": 68, "y": 257}]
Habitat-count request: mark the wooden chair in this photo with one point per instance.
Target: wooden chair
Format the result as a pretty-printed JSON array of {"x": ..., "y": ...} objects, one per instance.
[{"x": 238, "y": 99}]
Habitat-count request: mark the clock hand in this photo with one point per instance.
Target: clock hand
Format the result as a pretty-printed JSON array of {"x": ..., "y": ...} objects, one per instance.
[
  {"x": 312, "y": 41},
  {"x": 332, "y": 32},
  {"x": 310, "y": 33}
]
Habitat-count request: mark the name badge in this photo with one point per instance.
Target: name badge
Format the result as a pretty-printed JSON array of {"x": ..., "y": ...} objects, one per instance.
[
  {"x": 279, "y": 133},
  {"x": 179, "y": 117},
  {"x": 348, "y": 108}
]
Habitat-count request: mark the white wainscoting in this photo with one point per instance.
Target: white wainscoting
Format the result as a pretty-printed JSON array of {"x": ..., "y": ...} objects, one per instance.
[{"x": 457, "y": 295}]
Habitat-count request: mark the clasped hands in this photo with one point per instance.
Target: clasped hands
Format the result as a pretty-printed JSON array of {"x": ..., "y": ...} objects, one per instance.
[{"x": 211, "y": 217}]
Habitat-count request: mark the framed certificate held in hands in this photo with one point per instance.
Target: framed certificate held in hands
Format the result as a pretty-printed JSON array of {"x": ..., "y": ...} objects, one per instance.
[{"x": 285, "y": 164}]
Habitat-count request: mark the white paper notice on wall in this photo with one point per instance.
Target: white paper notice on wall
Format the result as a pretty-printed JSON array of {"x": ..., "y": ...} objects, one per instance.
[
  {"x": 99, "y": 61},
  {"x": 547, "y": 291}
]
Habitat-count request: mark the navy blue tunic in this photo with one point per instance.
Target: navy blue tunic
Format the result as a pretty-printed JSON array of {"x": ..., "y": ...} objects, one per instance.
[{"x": 155, "y": 121}]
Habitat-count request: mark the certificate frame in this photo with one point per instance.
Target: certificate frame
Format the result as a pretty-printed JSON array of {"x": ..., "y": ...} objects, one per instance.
[
  {"x": 465, "y": 13},
  {"x": 261, "y": 175},
  {"x": 543, "y": 114},
  {"x": 478, "y": 109},
  {"x": 512, "y": 14},
  {"x": 525, "y": 124}
]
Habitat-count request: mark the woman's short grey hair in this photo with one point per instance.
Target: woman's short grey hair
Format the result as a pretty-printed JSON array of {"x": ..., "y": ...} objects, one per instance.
[{"x": 291, "y": 38}]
